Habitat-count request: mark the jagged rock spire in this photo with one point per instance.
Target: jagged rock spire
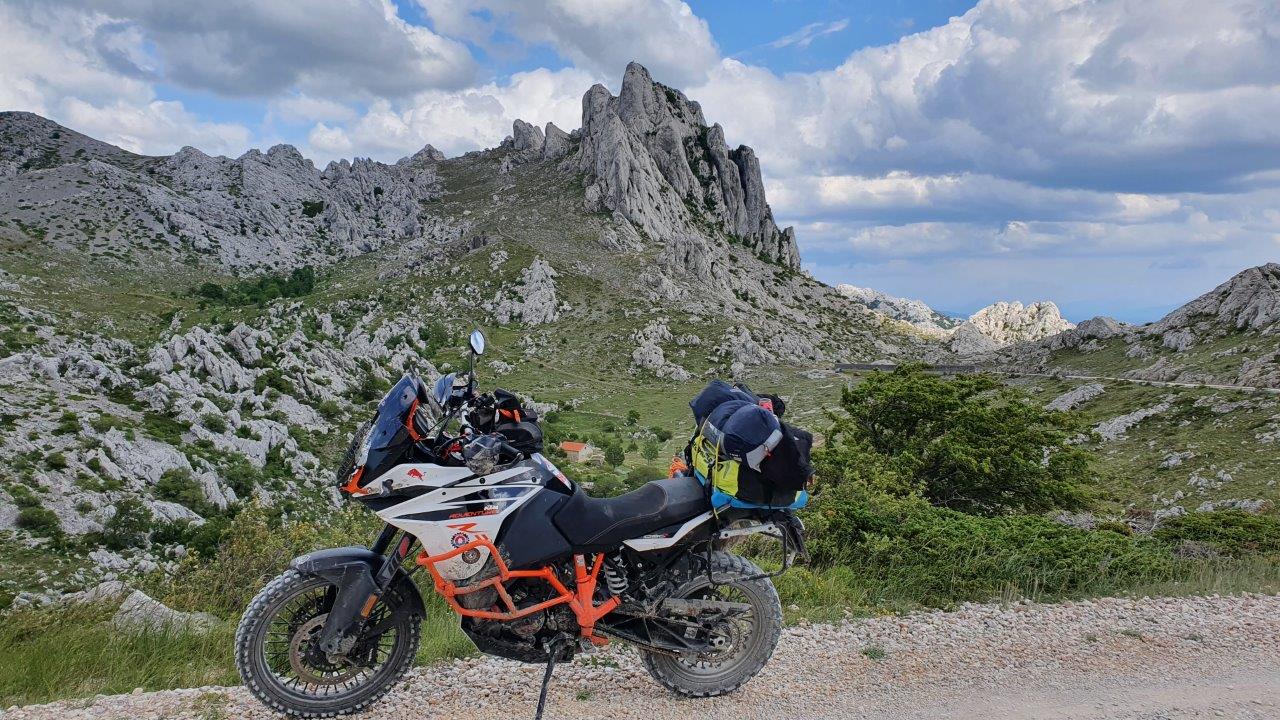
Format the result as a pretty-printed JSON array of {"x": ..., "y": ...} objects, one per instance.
[{"x": 650, "y": 156}]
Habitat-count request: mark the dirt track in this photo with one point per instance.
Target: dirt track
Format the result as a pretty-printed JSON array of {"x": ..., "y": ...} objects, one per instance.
[{"x": 1143, "y": 659}]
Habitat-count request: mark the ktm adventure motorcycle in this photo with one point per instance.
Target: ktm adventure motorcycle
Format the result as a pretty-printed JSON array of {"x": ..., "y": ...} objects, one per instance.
[{"x": 535, "y": 568}]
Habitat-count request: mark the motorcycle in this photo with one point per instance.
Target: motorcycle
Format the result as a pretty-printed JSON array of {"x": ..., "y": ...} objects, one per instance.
[{"x": 536, "y": 569}]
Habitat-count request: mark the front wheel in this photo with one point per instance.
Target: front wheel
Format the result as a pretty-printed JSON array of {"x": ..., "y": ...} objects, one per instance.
[
  {"x": 743, "y": 644},
  {"x": 279, "y": 660}
]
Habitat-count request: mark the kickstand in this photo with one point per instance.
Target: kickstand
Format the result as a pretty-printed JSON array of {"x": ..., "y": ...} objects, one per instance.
[{"x": 553, "y": 654}]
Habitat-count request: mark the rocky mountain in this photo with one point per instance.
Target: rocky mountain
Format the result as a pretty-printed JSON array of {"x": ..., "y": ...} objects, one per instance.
[
  {"x": 915, "y": 312},
  {"x": 182, "y": 335},
  {"x": 651, "y": 157},
  {"x": 1249, "y": 301},
  {"x": 993, "y": 327},
  {"x": 267, "y": 210}
]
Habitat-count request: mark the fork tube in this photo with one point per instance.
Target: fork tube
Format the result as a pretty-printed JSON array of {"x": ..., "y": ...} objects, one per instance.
[{"x": 384, "y": 539}]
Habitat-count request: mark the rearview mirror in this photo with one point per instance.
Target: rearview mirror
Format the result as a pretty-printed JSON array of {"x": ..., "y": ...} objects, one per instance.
[{"x": 477, "y": 342}]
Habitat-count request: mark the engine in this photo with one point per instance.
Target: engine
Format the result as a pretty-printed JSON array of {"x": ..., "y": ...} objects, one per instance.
[{"x": 523, "y": 639}]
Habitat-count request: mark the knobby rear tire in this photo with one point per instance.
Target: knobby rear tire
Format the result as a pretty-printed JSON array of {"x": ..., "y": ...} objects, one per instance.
[
  {"x": 262, "y": 683},
  {"x": 766, "y": 610}
]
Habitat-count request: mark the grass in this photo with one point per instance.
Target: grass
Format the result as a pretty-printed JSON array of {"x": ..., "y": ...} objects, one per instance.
[
  {"x": 1129, "y": 472},
  {"x": 73, "y": 651}
]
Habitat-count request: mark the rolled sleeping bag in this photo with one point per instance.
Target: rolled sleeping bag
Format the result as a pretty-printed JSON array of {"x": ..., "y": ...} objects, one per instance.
[
  {"x": 743, "y": 430},
  {"x": 715, "y": 394}
]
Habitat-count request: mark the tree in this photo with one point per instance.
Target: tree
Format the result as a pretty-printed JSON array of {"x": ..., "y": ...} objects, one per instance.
[
  {"x": 967, "y": 443},
  {"x": 129, "y": 526},
  {"x": 633, "y": 417},
  {"x": 613, "y": 454},
  {"x": 661, "y": 433},
  {"x": 650, "y": 451}
]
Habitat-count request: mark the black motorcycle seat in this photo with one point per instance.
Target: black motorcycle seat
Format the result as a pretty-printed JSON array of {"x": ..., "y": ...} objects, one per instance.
[{"x": 603, "y": 523}]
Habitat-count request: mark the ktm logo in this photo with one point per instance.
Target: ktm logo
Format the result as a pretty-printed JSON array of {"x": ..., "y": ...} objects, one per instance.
[{"x": 415, "y": 473}]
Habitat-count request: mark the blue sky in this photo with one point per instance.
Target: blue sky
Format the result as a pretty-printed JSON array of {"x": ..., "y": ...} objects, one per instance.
[{"x": 1116, "y": 156}]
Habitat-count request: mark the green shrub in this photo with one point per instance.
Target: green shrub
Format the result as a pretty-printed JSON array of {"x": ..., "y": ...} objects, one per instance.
[
  {"x": 258, "y": 291},
  {"x": 39, "y": 521},
  {"x": 253, "y": 548},
  {"x": 937, "y": 556},
  {"x": 966, "y": 443},
  {"x": 68, "y": 424},
  {"x": 56, "y": 461},
  {"x": 614, "y": 455},
  {"x": 369, "y": 388},
  {"x": 661, "y": 433},
  {"x": 643, "y": 474},
  {"x": 214, "y": 422},
  {"x": 241, "y": 476},
  {"x": 164, "y": 427},
  {"x": 272, "y": 378},
  {"x": 177, "y": 485},
  {"x": 1231, "y": 532}
]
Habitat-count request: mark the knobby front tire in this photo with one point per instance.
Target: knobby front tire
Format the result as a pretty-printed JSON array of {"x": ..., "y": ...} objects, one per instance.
[{"x": 260, "y": 629}]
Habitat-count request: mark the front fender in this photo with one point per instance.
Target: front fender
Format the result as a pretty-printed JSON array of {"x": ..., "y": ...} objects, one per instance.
[{"x": 352, "y": 570}]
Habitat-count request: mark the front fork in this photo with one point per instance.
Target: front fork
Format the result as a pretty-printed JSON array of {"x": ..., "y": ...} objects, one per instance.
[{"x": 360, "y": 586}]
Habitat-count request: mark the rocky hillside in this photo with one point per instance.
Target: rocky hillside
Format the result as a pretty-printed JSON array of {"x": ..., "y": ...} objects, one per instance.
[
  {"x": 1230, "y": 335},
  {"x": 180, "y": 335},
  {"x": 269, "y": 210}
]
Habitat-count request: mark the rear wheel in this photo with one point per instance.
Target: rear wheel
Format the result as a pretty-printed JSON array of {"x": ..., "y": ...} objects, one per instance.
[
  {"x": 280, "y": 662},
  {"x": 742, "y": 644}
]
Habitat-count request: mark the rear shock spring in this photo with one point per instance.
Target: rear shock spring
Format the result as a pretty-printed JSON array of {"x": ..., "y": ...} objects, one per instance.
[{"x": 615, "y": 577}]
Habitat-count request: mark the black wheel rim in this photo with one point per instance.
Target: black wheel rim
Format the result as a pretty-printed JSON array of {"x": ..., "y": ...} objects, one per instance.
[
  {"x": 731, "y": 636},
  {"x": 295, "y": 663}
]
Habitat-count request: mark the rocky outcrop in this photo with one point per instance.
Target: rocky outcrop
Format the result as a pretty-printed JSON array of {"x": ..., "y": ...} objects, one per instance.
[
  {"x": 1075, "y": 397},
  {"x": 141, "y": 613},
  {"x": 556, "y": 143},
  {"x": 649, "y": 155},
  {"x": 526, "y": 137},
  {"x": 1116, "y": 427},
  {"x": 649, "y": 355},
  {"x": 1006, "y": 323},
  {"x": 533, "y": 300}
]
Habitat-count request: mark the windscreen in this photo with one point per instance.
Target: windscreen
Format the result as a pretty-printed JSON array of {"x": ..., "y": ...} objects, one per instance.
[{"x": 389, "y": 437}]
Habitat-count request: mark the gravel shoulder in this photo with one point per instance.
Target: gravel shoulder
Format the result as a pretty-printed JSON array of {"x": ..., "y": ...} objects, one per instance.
[{"x": 1121, "y": 659}]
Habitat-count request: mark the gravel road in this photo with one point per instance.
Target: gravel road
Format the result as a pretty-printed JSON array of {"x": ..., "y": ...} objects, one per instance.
[{"x": 1119, "y": 659}]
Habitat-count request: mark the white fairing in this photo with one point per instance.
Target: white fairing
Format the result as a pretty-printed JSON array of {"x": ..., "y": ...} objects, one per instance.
[{"x": 453, "y": 519}]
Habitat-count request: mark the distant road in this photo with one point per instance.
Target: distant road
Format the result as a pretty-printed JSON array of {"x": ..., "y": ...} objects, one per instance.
[
  {"x": 965, "y": 369},
  {"x": 1157, "y": 383}
]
